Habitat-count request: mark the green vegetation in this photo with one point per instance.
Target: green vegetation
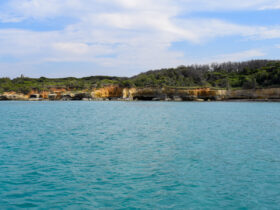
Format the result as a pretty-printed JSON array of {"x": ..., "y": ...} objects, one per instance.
[{"x": 242, "y": 75}]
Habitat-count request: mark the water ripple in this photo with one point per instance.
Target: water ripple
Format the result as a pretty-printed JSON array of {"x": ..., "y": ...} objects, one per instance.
[{"x": 146, "y": 155}]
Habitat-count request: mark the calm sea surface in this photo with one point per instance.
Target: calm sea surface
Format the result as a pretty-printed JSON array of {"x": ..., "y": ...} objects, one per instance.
[{"x": 147, "y": 155}]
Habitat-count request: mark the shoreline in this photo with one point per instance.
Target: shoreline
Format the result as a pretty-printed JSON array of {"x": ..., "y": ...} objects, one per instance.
[
  {"x": 123, "y": 100},
  {"x": 116, "y": 93}
]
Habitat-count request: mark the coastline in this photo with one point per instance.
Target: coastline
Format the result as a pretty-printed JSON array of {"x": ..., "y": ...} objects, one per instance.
[
  {"x": 116, "y": 93},
  {"x": 123, "y": 100}
]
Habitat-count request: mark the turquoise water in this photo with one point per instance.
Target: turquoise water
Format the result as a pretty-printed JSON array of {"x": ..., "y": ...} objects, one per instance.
[{"x": 146, "y": 155}]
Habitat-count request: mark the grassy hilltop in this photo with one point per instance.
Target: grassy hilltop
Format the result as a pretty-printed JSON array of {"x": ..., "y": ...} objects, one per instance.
[{"x": 237, "y": 75}]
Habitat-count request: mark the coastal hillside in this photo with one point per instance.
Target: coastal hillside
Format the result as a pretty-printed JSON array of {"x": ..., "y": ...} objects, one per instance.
[{"x": 231, "y": 75}]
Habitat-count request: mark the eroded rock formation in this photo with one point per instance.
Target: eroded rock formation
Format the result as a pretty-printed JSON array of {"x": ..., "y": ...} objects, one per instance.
[
  {"x": 110, "y": 92},
  {"x": 14, "y": 96},
  {"x": 148, "y": 93}
]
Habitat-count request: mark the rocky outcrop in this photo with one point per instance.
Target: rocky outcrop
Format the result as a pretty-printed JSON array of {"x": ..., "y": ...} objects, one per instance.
[
  {"x": 51, "y": 94},
  {"x": 14, "y": 96},
  {"x": 176, "y": 94},
  {"x": 81, "y": 96},
  {"x": 143, "y": 93},
  {"x": 265, "y": 94},
  {"x": 109, "y": 92},
  {"x": 185, "y": 94},
  {"x": 149, "y": 93},
  {"x": 69, "y": 96}
]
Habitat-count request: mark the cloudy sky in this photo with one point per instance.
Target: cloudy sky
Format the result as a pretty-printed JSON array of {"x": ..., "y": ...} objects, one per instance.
[{"x": 59, "y": 38}]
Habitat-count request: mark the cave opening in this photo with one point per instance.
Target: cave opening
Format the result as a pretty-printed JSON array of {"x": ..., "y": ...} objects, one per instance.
[{"x": 143, "y": 98}]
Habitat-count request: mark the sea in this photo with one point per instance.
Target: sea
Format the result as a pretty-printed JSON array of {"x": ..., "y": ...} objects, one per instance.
[{"x": 139, "y": 155}]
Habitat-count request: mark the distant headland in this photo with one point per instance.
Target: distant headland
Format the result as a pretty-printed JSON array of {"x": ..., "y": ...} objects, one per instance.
[{"x": 250, "y": 80}]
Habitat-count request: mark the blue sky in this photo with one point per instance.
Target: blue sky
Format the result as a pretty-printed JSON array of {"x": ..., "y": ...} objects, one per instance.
[{"x": 60, "y": 38}]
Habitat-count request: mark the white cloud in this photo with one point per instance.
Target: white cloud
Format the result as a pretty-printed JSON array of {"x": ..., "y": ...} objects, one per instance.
[
  {"x": 6, "y": 18},
  {"x": 75, "y": 48},
  {"x": 204, "y": 29},
  {"x": 25, "y": 43},
  {"x": 226, "y": 5},
  {"x": 125, "y": 33},
  {"x": 43, "y": 8},
  {"x": 274, "y": 5},
  {"x": 23, "y": 9},
  {"x": 238, "y": 56}
]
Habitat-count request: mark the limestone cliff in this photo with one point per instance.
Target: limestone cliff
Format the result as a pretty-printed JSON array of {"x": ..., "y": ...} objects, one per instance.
[
  {"x": 172, "y": 93},
  {"x": 108, "y": 92},
  {"x": 186, "y": 94},
  {"x": 14, "y": 96},
  {"x": 269, "y": 93},
  {"x": 54, "y": 93},
  {"x": 148, "y": 93}
]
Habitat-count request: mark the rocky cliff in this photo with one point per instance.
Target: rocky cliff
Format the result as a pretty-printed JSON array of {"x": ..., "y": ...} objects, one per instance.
[
  {"x": 186, "y": 94},
  {"x": 13, "y": 96},
  {"x": 110, "y": 92},
  {"x": 269, "y": 93},
  {"x": 167, "y": 93},
  {"x": 149, "y": 93}
]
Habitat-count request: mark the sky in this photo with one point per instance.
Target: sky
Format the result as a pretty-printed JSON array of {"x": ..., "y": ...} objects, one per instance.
[{"x": 62, "y": 38}]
